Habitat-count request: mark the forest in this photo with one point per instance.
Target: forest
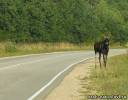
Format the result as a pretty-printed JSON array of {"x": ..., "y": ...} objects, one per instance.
[{"x": 73, "y": 21}]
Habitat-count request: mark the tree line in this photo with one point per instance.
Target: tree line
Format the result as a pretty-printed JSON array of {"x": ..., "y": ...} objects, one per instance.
[{"x": 74, "y": 21}]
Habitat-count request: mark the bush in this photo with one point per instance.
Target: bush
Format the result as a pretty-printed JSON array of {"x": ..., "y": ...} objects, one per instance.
[{"x": 10, "y": 47}]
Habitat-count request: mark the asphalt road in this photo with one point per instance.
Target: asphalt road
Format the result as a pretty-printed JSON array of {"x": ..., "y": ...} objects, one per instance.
[{"x": 25, "y": 77}]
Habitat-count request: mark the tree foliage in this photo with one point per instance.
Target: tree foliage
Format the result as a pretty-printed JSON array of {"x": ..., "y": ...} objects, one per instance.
[{"x": 74, "y": 21}]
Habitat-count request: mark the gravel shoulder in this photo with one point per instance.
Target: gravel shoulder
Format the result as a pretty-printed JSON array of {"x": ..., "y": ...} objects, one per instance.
[{"x": 70, "y": 87}]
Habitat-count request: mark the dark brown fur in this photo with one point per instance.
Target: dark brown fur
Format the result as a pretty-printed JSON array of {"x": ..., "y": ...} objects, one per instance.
[{"x": 102, "y": 48}]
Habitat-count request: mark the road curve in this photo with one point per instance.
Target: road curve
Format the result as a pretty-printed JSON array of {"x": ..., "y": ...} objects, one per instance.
[{"x": 22, "y": 78}]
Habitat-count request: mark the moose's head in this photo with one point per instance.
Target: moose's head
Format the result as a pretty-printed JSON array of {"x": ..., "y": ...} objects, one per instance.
[{"x": 106, "y": 41}]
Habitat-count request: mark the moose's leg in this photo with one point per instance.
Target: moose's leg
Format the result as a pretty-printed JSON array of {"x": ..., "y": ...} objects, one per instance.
[
  {"x": 95, "y": 60},
  {"x": 104, "y": 58},
  {"x": 100, "y": 59}
]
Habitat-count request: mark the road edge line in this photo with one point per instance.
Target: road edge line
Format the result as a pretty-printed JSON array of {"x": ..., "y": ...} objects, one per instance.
[
  {"x": 54, "y": 78},
  {"x": 27, "y": 55}
]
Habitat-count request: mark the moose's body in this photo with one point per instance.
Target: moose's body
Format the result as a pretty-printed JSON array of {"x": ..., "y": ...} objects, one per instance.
[{"x": 102, "y": 48}]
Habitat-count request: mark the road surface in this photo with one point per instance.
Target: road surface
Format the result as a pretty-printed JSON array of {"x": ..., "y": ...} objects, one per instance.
[{"x": 26, "y": 77}]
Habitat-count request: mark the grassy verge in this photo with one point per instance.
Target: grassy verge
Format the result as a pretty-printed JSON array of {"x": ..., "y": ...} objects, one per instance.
[
  {"x": 113, "y": 81},
  {"x": 117, "y": 45},
  {"x": 11, "y": 49}
]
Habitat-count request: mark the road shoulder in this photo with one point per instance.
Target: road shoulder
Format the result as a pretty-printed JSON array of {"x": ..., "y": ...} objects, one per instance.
[{"x": 70, "y": 87}]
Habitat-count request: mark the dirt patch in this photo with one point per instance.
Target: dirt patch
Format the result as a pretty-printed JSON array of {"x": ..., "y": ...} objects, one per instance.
[{"x": 70, "y": 87}]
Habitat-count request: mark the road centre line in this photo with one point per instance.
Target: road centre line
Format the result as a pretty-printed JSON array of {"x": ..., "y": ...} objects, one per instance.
[
  {"x": 30, "y": 62},
  {"x": 3, "y": 58}
]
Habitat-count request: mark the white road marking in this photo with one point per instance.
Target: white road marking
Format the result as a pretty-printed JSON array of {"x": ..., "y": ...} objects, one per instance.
[
  {"x": 16, "y": 65},
  {"x": 3, "y": 58},
  {"x": 54, "y": 78},
  {"x": 30, "y": 62}
]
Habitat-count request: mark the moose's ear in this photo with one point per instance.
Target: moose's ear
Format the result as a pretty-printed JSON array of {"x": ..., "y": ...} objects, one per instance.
[{"x": 108, "y": 35}]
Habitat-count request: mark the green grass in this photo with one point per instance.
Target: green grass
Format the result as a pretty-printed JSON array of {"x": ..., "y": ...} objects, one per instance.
[
  {"x": 117, "y": 45},
  {"x": 12, "y": 49},
  {"x": 112, "y": 81}
]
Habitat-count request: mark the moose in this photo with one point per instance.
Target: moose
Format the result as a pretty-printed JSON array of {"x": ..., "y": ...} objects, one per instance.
[{"x": 102, "y": 48}]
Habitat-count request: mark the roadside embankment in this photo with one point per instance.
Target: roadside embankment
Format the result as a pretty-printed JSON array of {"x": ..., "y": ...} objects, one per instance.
[
  {"x": 85, "y": 80},
  {"x": 70, "y": 87},
  {"x": 13, "y": 49}
]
